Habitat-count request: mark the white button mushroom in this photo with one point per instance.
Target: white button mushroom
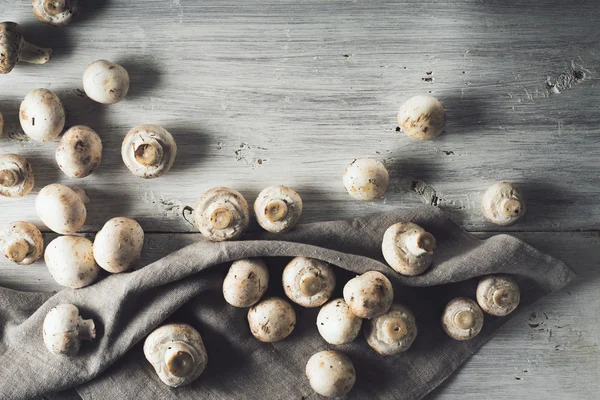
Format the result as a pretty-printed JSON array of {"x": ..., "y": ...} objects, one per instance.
[
  {"x": 221, "y": 214},
  {"x": 366, "y": 179},
  {"x": 503, "y": 204},
  {"x": 56, "y": 12},
  {"x": 61, "y": 209},
  {"x": 246, "y": 282},
  {"x": 271, "y": 320},
  {"x": 337, "y": 324},
  {"x": 118, "y": 245},
  {"x": 70, "y": 260},
  {"x": 422, "y": 117},
  {"x": 278, "y": 208},
  {"x": 407, "y": 248},
  {"x": 105, "y": 82},
  {"x": 16, "y": 176},
  {"x": 13, "y": 48},
  {"x": 330, "y": 373},
  {"x": 79, "y": 152},
  {"x": 462, "y": 319},
  {"x": 177, "y": 353},
  {"x": 64, "y": 330},
  {"x": 149, "y": 151},
  {"x": 393, "y": 332},
  {"x": 21, "y": 242},
  {"x": 308, "y": 282},
  {"x": 369, "y": 295},
  {"x": 42, "y": 115},
  {"x": 498, "y": 295}
]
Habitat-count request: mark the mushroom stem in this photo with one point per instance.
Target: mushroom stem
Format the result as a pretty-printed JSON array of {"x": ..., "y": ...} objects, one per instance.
[
  {"x": 276, "y": 210},
  {"x": 81, "y": 194},
  {"x": 178, "y": 359},
  {"x": 148, "y": 155},
  {"x": 310, "y": 285},
  {"x": 18, "y": 250},
  {"x": 54, "y": 7},
  {"x": 511, "y": 207},
  {"x": 420, "y": 242},
  {"x": 221, "y": 218},
  {"x": 33, "y": 54},
  {"x": 502, "y": 297},
  {"x": 87, "y": 329},
  {"x": 8, "y": 178},
  {"x": 465, "y": 319},
  {"x": 395, "y": 329}
]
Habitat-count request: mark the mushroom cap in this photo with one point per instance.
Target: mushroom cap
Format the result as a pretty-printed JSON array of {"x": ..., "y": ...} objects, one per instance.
[
  {"x": 149, "y": 151},
  {"x": 56, "y": 12},
  {"x": 15, "y": 233},
  {"x": 422, "y": 117},
  {"x": 462, "y": 319},
  {"x": 79, "y": 152},
  {"x": 369, "y": 295},
  {"x": 393, "y": 332},
  {"x": 246, "y": 282},
  {"x": 366, "y": 179},
  {"x": 498, "y": 295},
  {"x": 70, "y": 260},
  {"x": 118, "y": 245},
  {"x": 105, "y": 82},
  {"x": 337, "y": 324},
  {"x": 503, "y": 204},
  {"x": 16, "y": 176},
  {"x": 308, "y": 282},
  {"x": 278, "y": 208},
  {"x": 42, "y": 115},
  {"x": 221, "y": 214},
  {"x": 271, "y": 320},
  {"x": 330, "y": 373},
  {"x": 64, "y": 329},
  {"x": 60, "y": 209},
  {"x": 407, "y": 248},
  {"x": 177, "y": 353},
  {"x": 11, "y": 42}
]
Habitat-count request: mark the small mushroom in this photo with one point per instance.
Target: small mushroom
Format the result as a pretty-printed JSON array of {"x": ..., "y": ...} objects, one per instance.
[
  {"x": 422, "y": 117},
  {"x": 503, "y": 204},
  {"x": 221, "y": 214},
  {"x": 118, "y": 245},
  {"x": 337, "y": 324},
  {"x": 330, "y": 373},
  {"x": 462, "y": 319},
  {"x": 13, "y": 48},
  {"x": 149, "y": 151},
  {"x": 21, "y": 242},
  {"x": 271, "y": 320},
  {"x": 308, "y": 282},
  {"x": 498, "y": 295},
  {"x": 79, "y": 152},
  {"x": 393, "y": 332},
  {"x": 369, "y": 295},
  {"x": 246, "y": 282},
  {"x": 70, "y": 260},
  {"x": 56, "y": 12},
  {"x": 61, "y": 209},
  {"x": 366, "y": 179},
  {"x": 16, "y": 176},
  {"x": 105, "y": 82},
  {"x": 278, "y": 208},
  {"x": 177, "y": 353},
  {"x": 407, "y": 248},
  {"x": 42, "y": 115},
  {"x": 64, "y": 330}
]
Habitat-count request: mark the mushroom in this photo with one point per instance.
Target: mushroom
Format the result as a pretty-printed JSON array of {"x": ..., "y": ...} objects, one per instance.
[
  {"x": 16, "y": 176},
  {"x": 64, "y": 330},
  {"x": 271, "y": 320},
  {"x": 149, "y": 151},
  {"x": 177, "y": 353},
  {"x": 407, "y": 248},
  {"x": 79, "y": 152},
  {"x": 330, "y": 373},
  {"x": 246, "y": 282},
  {"x": 337, "y": 324},
  {"x": 118, "y": 245},
  {"x": 503, "y": 204},
  {"x": 308, "y": 282},
  {"x": 21, "y": 242},
  {"x": 13, "y": 48},
  {"x": 70, "y": 260},
  {"x": 393, "y": 332},
  {"x": 221, "y": 214},
  {"x": 42, "y": 115},
  {"x": 462, "y": 319},
  {"x": 278, "y": 208},
  {"x": 498, "y": 295},
  {"x": 105, "y": 82},
  {"x": 422, "y": 117},
  {"x": 369, "y": 295},
  {"x": 61, "y": 209},
  {"x": 366, "y": 179},
  {"x": 56, "y": 12}
]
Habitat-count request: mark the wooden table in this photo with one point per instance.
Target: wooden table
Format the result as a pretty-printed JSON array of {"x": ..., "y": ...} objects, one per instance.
[{"x": 262, "y": 92}]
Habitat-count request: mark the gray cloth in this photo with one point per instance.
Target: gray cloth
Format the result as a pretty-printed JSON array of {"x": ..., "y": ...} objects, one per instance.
[{"x": 186, "y": 287}]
